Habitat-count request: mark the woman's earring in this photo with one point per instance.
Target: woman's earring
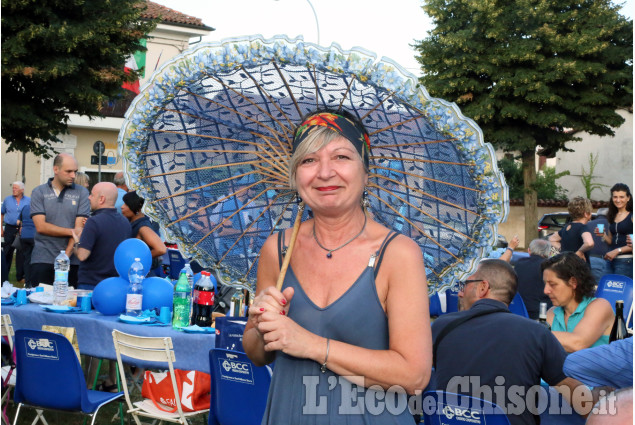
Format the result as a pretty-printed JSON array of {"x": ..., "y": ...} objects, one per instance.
[
  {"x": 365, "y": 201},
  {"x": 297, "y": 198}
]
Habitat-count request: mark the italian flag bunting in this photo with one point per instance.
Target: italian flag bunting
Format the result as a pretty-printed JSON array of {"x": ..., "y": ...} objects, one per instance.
[{"x": 135, "y": 62}]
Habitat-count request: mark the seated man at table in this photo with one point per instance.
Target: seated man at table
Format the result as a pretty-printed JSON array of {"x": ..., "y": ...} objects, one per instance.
[
  {"x": 485, "y": 351},
  {"x": 530, "y": 284},
  {"x": 605, "y": 365},
  {"x": 102, "y": 234},
  {"x": 104, "y": 230}
]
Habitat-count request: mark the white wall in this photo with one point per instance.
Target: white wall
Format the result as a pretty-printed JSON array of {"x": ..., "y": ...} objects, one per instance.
[{"x": 615, "y": 160}]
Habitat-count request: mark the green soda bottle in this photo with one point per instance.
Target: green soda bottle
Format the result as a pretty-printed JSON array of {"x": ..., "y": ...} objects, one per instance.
[{"x": 181, "y": 303}]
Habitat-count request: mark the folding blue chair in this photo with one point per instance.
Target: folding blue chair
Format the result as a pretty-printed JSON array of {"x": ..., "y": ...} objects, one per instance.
[
  {"x": 443, "y": 408},
  {"x": 239, "y": 389},
  {"x": 50, "y": 377},
  {"x": 517, "y": 306},
  {"x": 451, "y": 301},
  {"x": 613, "y": 287},
  {"x": 435, "y": 305}
]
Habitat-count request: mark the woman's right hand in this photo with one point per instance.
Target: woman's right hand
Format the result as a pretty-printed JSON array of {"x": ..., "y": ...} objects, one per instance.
[
  {"x": 269, "y": 300},
  {"x": 596, "y": 232}
]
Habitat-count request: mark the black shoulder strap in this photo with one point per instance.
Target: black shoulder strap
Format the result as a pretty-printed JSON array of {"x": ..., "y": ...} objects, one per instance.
[
  {"x": 456, "y": 323},
  {"x": 380, "y": 256}
]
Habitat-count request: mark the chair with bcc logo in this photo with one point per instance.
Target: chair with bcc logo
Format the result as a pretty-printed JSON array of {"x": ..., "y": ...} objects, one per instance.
[
  {"x": 517, "y": 306},
  {"x": 46, "y": 363},
  {"x": 613, "y": 287},
  {"x": 150, "y": 349},
  {"x": 239, "y": 388},
  {"x": 446, "y": 408}
]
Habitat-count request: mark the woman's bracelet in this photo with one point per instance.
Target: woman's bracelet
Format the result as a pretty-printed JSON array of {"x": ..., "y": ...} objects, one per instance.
[{"x": 328, "y": 345}]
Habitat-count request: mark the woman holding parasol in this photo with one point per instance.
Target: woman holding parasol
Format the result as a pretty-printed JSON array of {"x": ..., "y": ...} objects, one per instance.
[{"x": 354, "y": 301}]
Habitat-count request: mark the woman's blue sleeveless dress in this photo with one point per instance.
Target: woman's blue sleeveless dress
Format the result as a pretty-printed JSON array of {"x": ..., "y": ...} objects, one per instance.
[{"x": 301, "y": 394}]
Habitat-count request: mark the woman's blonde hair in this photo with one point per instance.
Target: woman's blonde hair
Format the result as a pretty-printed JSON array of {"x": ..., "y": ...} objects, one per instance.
[
  {"x": 578, "y": 207},
  {"x": 316, "y": 140},
  {"x": 82, "y": 179}
]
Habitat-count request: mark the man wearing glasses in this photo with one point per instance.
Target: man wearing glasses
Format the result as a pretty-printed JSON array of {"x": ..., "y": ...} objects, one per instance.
[{"x": 485, "y": 351}]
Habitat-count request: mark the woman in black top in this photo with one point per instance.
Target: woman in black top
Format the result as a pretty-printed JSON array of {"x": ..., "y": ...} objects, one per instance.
[
  {"x": 576, "y": 236},
  {"x": 620, "y": 256},
  {"x": 143, "y": 228}
]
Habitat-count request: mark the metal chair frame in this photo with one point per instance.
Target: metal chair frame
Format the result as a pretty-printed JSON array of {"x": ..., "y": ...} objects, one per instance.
[{"x": 155, "y": 349}]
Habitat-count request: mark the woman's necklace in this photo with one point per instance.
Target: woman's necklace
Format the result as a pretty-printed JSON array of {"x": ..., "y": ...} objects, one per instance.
[{"x": 329, "y": 252}]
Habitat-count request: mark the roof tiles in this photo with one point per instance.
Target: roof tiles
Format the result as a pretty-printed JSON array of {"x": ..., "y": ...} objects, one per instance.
[{"x": 171, "y": 16}]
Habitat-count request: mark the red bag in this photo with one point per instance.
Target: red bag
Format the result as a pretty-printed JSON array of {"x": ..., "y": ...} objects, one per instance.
[{"x": 193, "y": 386}]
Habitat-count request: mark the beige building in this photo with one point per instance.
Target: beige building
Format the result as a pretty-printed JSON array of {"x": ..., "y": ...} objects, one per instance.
[
  {"x": 174, "y": 33},
  {"x": 614, "y": 160}
]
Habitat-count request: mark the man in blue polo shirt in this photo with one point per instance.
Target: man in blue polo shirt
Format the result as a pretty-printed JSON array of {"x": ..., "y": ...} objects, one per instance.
[
  {"x": 11, "y": 209},
  {"x": 57, "y": 207},
  {"x": 485, "y": 351},
  {"x": 100, "y": 237}
]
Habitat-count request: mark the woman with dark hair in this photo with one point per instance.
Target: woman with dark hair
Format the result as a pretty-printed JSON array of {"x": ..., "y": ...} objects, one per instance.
[
  {"x": 578, "y": 319},
  {"x": 619, "y": 256},
  {"x": 143, "y": 228}
]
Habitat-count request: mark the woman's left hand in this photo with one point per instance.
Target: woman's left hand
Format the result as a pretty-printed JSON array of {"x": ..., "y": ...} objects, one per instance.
[
  {"x": 611, "y": 255},
  {"x": 284, "y": 334}
]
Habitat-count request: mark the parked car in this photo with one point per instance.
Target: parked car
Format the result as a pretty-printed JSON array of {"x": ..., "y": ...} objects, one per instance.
[{"x": 552, "y": 222}]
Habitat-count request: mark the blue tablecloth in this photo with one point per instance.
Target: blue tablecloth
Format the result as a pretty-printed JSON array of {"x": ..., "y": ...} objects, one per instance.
[{"x": 94, "y": 335}]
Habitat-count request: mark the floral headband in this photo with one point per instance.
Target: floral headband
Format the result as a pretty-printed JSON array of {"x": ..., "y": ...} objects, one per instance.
[{"x": 346, "y": 127}]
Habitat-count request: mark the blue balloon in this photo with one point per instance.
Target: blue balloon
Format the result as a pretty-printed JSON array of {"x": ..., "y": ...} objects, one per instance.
[
  {"x": 127, "y": 251},
  {"x": 157, "y": 293},
  {"x": 109, "y": 296}
]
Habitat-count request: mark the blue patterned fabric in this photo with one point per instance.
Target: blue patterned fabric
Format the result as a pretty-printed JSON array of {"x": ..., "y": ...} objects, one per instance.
[{"x": 218, "y": 121}]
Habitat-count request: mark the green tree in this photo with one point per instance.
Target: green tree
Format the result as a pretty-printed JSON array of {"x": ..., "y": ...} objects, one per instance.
[
  {"x": 530, "y": 72},
  {"x": 546, "y": 185},
  {"x": 62, "y": 57}
]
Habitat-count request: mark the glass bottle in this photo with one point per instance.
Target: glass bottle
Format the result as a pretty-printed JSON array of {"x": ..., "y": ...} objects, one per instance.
[{"x": 618, "y": 331}]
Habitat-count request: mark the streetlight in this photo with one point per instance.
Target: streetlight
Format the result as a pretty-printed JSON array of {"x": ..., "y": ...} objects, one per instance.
[{"x": 317, "y": 23}]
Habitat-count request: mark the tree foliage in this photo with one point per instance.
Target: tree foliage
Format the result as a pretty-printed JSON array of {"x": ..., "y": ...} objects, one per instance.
[
  {"x": 531, "y": 73},
  {"x": 546, "y": 185},
  {"x": 62, "y": 57}
]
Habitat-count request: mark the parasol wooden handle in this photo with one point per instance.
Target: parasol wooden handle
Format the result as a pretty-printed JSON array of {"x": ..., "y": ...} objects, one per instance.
[{"x": 287, "y": 256}]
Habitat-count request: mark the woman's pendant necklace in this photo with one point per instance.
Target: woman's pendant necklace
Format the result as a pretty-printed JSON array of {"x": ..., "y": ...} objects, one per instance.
[{"x": 329, "y": 252}]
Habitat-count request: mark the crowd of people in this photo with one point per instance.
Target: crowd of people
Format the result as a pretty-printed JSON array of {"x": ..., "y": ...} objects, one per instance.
[
  {"x": 328, "y": 320},
  {"x": 350, "y": 325},
  {"x": 62, "y": 215}
]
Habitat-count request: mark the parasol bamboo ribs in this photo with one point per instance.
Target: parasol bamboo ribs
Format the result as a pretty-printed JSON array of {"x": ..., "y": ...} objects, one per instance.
[{"x": 287, "y": 256}]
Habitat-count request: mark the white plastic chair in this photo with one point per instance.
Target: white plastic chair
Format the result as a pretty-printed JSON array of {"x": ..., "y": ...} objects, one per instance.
[
  {"x": 156, "y": 349},
  {"x": 7, "y": 331}
]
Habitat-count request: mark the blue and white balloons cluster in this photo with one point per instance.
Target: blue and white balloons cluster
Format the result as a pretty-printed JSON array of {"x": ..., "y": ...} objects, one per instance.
[{"x": 109, "y": 296}]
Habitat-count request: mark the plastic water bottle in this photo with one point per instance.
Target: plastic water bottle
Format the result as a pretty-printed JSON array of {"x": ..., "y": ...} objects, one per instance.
[
  {"x": 190, "y": 281},
  {"x": 181, "y": 302},
  {"x": 135, "y": 289},
  {"x": 60, "y": 285}
]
